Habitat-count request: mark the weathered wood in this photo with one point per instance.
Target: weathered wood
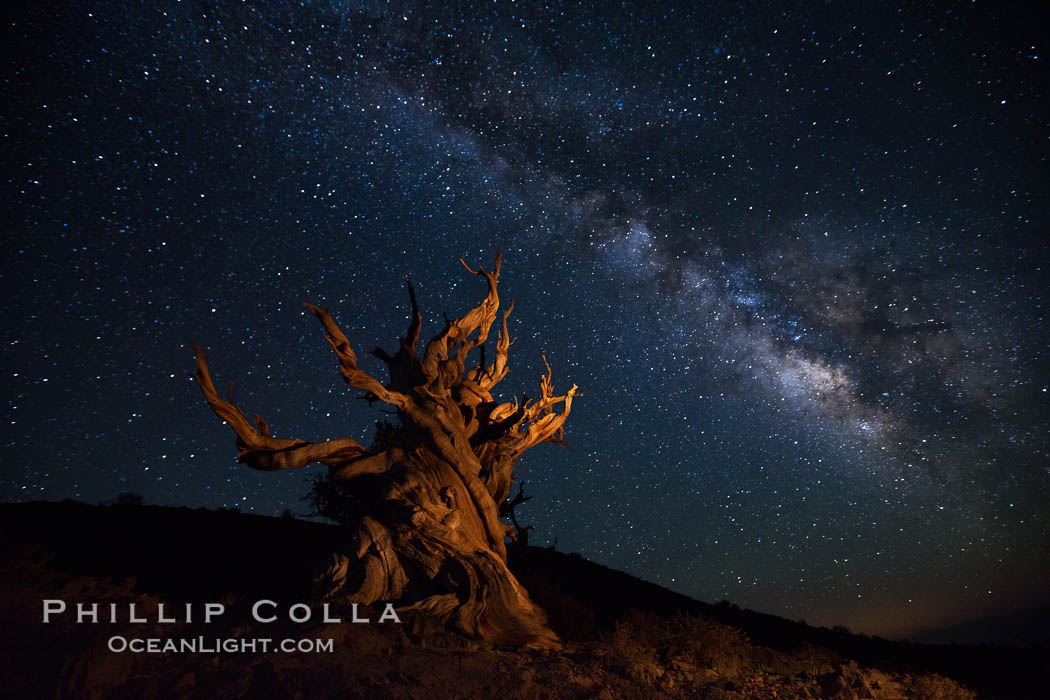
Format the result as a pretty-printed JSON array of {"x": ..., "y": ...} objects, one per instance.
[{"x": 427, "y": 503}]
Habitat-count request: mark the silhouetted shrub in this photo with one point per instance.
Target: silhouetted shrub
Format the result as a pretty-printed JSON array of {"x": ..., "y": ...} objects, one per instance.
[
  {"x": 710, "y": 644},
  {"x": 630, "y": 653},
  {"x": 641, "y": 639},
  {"x": 128, "y": 499}
]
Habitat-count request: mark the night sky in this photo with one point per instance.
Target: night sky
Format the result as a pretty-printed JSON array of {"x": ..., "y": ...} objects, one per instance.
[{"x": 796, "y": 259}]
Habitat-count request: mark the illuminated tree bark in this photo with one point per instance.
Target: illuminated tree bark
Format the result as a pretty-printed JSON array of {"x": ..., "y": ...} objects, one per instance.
[{"x": 427, "y": 499}]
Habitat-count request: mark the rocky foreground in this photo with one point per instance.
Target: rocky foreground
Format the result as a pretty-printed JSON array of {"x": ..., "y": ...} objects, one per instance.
[
  {"x": 695, "y": 658},
  {"x": 624, "y": 638}
]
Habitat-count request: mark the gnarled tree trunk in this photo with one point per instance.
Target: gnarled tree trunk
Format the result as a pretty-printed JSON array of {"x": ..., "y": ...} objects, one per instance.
[{"x": 429, "y": 501}]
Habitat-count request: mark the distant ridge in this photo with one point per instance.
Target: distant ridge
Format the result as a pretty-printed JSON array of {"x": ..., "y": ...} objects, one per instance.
[{"x": 1026, "y": 628}]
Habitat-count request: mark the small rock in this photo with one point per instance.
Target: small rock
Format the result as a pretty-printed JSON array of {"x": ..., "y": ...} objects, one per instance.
[
  {"x": 679, "y": 664},
  {"x": 582, "y": 681}
]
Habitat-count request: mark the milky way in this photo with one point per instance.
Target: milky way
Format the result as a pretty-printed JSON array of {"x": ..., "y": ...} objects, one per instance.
[{"x": 795, "y": 258}]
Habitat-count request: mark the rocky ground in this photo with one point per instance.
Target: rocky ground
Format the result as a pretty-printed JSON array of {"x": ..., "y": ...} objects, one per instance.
[
  {"x": 70, "y": 661},
  {"x": 625, "y": 639}
]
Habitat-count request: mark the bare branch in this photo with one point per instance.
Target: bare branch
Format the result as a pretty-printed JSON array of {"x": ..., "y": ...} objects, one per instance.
[
  {"x": 415, "y": 325},
  {"x": 353, "y": 376},
  {"x": 367, "y": 464},
  {"x": 255, "y": 446},
  {"x": 508, "y": 506},
  {"x": 444, "y": 359},
  {"x": 543, "y": 424},
  {"x": 484, "y": 314},
  {"x": 488, "y": 377}
]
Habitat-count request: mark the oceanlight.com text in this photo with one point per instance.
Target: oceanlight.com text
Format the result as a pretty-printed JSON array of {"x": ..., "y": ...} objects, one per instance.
[{"x": 214, "y": 645}]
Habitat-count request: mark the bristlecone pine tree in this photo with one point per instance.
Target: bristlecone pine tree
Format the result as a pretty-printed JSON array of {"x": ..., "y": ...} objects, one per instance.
[{"x": 429, "y": 497}]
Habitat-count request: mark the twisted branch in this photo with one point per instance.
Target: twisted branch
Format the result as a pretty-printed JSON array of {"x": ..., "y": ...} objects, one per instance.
[
  {"x": 353, "y": 376},
  {"x": 258, "y": 450}
]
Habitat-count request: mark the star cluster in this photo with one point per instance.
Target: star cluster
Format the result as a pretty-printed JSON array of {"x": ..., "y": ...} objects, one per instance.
[{"x": 795, "y": 257}]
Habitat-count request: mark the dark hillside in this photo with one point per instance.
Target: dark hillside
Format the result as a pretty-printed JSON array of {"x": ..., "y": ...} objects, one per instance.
[{"x": 625, "y": 637}]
